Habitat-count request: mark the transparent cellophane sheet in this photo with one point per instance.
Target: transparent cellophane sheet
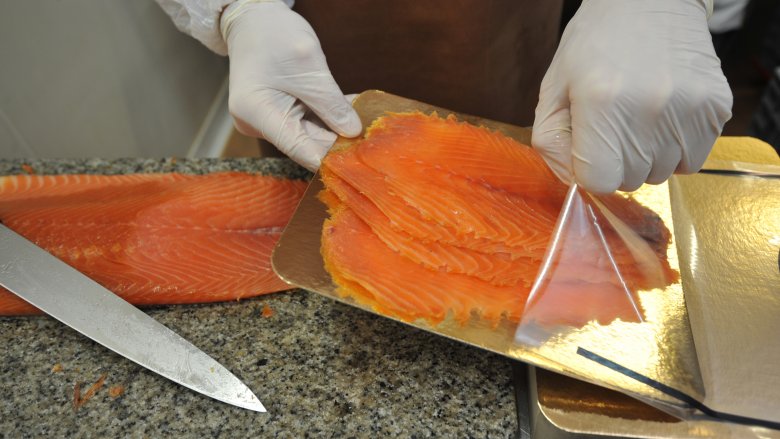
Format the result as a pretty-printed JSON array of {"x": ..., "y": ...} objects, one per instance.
[
  {"x": 604, "y": 294},
  {"x": 609, "y": 308}
]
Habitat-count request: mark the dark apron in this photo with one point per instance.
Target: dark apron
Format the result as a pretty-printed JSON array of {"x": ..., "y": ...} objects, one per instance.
[{"x": 481, "y": 57}]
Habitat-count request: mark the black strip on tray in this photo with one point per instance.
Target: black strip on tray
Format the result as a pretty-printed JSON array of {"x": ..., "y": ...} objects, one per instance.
[{"x": 674, "y": 393}]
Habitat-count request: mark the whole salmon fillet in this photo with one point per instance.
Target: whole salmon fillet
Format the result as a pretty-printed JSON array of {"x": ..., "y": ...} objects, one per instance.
[
  {"x": 431, "y": 217},
  {"x": 155, "y": 238}
]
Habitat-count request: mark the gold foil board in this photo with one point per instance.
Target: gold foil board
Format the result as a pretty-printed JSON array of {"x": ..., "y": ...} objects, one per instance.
[{"x": 661, "y": 348}]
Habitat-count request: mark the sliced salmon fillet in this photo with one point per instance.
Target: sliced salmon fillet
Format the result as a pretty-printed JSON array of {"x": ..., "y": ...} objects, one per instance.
[
  {"x": 403, "y": 216},
  {"x": 496, "y": 268},
  {"x": 356, "y": 255},
  {"x": 155, "y": 238},
  {"x": 444, "y": 142},
  {"x": 433, "y": 217},
  {"x": 473, "y": 210}
]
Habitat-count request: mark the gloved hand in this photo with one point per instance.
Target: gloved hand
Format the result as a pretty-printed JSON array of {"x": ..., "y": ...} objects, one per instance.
[
  {"x": 633, "y": 94},
  {"x": 277, "y": 74}
]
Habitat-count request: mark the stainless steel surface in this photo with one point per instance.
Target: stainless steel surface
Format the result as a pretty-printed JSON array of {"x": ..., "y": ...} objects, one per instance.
[{"x": 72, "y": 298}]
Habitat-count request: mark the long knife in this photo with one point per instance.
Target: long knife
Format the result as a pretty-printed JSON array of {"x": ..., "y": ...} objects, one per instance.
[{"x": 69, "y": 296}]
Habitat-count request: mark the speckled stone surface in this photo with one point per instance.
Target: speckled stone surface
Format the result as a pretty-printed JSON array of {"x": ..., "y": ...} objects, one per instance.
[{"x": 321, "y": 368}]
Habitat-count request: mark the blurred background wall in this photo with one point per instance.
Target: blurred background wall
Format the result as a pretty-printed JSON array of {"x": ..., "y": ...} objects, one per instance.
[
  {"x": 115, "y": 78},
  {"x": 101, "y": 78}
]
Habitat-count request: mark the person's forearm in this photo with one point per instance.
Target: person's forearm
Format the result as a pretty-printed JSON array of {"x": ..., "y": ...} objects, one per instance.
[
  {"x": 727, "y": 15},
  {"x": 200, "y": 19}
]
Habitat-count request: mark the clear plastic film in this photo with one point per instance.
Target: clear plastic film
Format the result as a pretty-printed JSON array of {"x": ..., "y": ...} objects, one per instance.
[
  {"x": 596, "y": 261},
  {"x": 605, "y": 306}
]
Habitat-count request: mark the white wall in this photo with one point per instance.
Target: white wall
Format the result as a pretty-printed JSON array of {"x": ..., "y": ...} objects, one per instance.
[{"x": 100, "y": 78}]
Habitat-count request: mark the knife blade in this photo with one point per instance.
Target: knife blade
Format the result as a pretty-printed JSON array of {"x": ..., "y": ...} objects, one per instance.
[{"x": 74, "y": 299}]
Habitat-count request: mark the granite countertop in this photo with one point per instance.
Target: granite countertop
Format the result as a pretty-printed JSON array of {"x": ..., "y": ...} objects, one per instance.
[{"x": 321, "y": 368}]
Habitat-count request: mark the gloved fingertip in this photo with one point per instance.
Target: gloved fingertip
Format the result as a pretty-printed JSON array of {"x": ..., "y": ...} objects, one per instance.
[
  {"x": 352, "y": 127},
  {"x": 554, "y": 145},
  {"x": 551, "y": 137},
  {"x": 312, "y": 146},
  {"x": 310, "y": 161},
  {"x": 336, "y": 112},
  {"x": 560, "y": 170},
  {"x": 630, "y": 187},
  {"x": 597, "y": 178},
  {"x": 312, "y": 164},
  {"x": 598, "y": 165},
  {"x": 600, "y": 186}
]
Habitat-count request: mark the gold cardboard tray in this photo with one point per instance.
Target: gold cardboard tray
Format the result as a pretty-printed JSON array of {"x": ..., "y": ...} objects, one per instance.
[
  {"x": 728, "y": 227},
  {"x": 661, "y": 348}
]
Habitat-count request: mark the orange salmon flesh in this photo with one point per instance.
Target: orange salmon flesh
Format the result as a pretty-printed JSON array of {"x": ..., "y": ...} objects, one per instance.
[
  {"x": 431, "y": 217},
  {"x": 155, "y": 238}
]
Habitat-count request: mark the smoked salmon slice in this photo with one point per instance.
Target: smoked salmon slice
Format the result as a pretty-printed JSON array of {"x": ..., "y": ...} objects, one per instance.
[
  {"x": 155, "y": 238},
  {"x": 346, "y": 165},
  {"x": 432, "y": 218},
  {"x": 450, "y": 145},
  {"x": 355, "y": 254},
  {"x": 497, "y": 268}
]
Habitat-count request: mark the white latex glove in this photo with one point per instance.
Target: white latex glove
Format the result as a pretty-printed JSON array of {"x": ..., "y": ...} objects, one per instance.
[
  {"x": 633, "y": 94},
  {"x": 277, "y": 74}
]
